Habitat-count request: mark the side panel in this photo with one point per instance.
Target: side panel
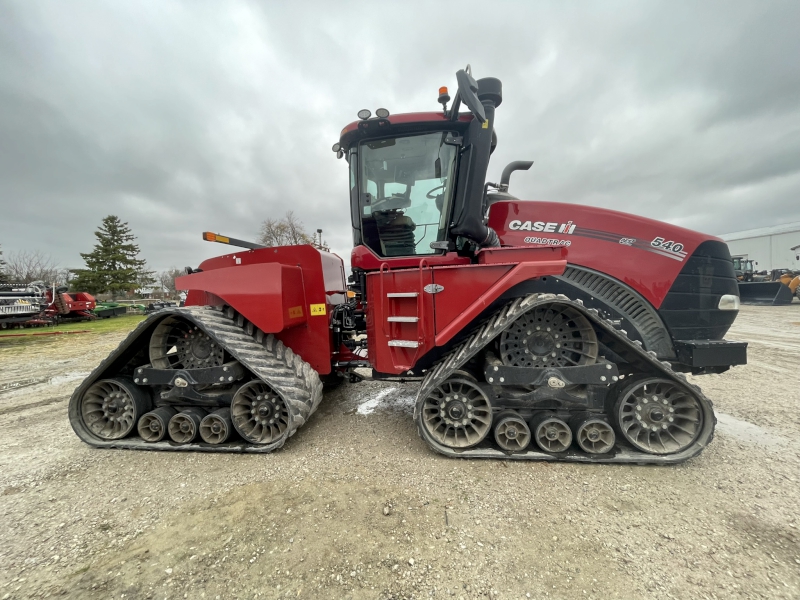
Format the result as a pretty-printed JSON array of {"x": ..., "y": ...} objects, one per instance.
[
  {"x": 270, "y": 295},
  {"x": 400, "y": 318},
  {"x": 405, "y": 322},
  {"x": 645, "y": 254}
]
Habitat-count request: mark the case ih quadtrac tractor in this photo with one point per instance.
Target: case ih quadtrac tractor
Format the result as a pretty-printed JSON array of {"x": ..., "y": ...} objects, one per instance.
[{"x": 536, "y": 330}]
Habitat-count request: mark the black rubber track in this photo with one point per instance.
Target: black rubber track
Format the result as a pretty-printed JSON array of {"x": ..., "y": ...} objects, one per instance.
[
  {"x": 262, "y": 354},
  {"x": 643, "y": 361}
]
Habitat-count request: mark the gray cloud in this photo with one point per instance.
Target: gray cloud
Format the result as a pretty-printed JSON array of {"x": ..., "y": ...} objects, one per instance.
[{"x": 185, "y": 116}]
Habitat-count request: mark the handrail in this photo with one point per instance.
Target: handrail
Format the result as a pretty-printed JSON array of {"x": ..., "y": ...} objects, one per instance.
[{"x": 384, "y": 299}]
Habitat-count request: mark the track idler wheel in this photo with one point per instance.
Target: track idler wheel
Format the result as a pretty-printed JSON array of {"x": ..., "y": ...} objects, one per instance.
[
  {"x": 511, "y": 432},
  {"x": 593, "y": 434},
  {"x": 216, "y": 427},
  {"x": 457, "y": 413},
  {"x": 153, "y": 425},
  {"x": 110, "y": 408},
  {"x": 551, "y": 433},
  {"x": 184, "y": 426},
  {"x": 658, "y": 416},
  {"x": 259, "y": 414}
]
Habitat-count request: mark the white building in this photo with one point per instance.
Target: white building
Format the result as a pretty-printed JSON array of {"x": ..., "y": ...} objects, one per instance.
[{"x": 769, "y": 247}]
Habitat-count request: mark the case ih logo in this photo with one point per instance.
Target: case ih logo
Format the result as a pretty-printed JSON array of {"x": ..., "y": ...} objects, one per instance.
[{"x": 566, "y": 228}]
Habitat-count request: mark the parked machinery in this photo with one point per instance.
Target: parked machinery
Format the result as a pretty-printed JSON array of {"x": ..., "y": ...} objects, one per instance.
[
  {"x": 21, "y": 302},
  {"x": 536, "y": 330}
]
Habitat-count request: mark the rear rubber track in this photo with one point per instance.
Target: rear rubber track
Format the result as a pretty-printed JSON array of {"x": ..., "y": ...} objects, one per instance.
[
  {"x": 266, "y": 357},
  {"x": 502, "y": 320}
]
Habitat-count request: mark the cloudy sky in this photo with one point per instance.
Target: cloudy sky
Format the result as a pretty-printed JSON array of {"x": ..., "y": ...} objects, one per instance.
[{"x": 199, "y": 115}]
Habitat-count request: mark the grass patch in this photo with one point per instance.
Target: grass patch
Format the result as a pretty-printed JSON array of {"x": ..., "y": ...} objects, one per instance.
[{"x": 14, "y": 341}]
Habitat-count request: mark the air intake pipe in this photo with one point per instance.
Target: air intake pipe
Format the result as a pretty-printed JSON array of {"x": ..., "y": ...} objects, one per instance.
[
  {"x": 468, "y": 213},
  {"x": 517, "y": 165}
]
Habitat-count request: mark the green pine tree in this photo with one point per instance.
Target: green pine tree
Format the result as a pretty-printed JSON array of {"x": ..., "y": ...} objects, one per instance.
[{"x": 112, "y": 266}]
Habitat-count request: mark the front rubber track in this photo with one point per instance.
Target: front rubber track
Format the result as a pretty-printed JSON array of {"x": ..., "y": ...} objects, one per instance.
[
  {"x": 266, "y": 357},
  {"x": 615, "y": 339}
]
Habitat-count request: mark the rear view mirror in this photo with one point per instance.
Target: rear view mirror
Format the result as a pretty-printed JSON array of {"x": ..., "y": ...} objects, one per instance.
[{"x": 468, "y": 90}]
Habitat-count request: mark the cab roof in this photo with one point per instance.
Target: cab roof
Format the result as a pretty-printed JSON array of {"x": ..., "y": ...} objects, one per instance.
[{"x": 401, "y": 124}]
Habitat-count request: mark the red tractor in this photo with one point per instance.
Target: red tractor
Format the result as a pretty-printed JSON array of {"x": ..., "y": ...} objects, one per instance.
[{"x": 536, "y": 330}]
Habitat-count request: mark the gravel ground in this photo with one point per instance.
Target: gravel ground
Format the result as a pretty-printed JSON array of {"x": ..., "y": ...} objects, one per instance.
[{"x": 356, "y": 506}]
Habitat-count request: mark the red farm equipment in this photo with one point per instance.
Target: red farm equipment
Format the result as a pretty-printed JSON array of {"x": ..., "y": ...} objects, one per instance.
[
  {"x": 536, "y": 330},
  {"x": 74, "y": 306}
]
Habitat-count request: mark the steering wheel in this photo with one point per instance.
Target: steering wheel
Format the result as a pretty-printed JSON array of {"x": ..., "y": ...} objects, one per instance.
[{"x": 438, "y": 187}]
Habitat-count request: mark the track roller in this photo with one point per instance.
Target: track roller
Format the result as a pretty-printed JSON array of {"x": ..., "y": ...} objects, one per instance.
[
  {"x": 153, "y": 425},
  {"x": 184, "y": 426},
  {"x": 511, "y": 432},
  {"x": 110, "y": 408},
  {"x": 551, "y": 433},
  {"x": 259, "y": 414},
  {"x": 216, "y": 427},
  {"x": 457, "y": 413},
  {"x": 593, "y": 434}
]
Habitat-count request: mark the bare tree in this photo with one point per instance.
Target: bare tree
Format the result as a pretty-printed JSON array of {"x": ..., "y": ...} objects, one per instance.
[
  {"x": 167, "y": 279},
  {"x": 3, "y": 267},
  {"x": 288, "y": 231},
  {"x": 27, "y": 266}
]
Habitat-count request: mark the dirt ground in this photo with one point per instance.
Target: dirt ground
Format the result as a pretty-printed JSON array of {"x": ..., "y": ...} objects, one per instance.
[{"x": 310, "y": 521}]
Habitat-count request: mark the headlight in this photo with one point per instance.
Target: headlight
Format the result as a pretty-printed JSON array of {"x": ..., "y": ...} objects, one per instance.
[{"x": 728, "y": 302}]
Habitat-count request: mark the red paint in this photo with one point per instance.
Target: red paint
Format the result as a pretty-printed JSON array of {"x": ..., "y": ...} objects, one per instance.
[
  {"x": 76, "y": 304},
  {"x": 364, "y": 258},
  {"x": 380, "y": 330},
  {"x": 419, "y": 117},
  {"x": 263, "y": 285},
  {"x": 646, "y": 269},
  {"x": 468, "y": 290}
]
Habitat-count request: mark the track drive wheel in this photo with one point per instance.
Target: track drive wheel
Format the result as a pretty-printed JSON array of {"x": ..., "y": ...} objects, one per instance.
[
  {"x": 259, "y": 414},
  {"x": 658, "y": 416},
  {"x": 457, "y": 413},
  {"x": 178, "y": 344},
  {"x": 552, "y": 335},
  {"x": 110, "y": 408}
]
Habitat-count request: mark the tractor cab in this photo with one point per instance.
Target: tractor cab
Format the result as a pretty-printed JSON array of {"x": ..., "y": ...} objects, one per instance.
[{"x": 417, "y": 181}]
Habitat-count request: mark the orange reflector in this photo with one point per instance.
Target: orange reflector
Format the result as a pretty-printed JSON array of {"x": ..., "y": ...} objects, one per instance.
[
  {"x": 215, "y": 237},
  {"x": 442, "y": 91},
  {"x": 351, "y": 294}
]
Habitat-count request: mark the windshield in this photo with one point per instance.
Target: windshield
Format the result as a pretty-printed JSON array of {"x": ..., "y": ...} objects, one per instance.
[{"x": 405, "y": 190}]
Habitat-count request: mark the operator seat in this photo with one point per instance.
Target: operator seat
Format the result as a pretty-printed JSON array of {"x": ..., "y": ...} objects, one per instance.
[{"x": 396, "y": 233}]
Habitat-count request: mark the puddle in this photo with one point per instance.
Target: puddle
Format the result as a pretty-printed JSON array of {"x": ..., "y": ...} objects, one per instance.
[
  {"x": 57, "y": 380},
  {"x": 368, "y": 407},
  {"x": 753, "y": 434},
  {"x": 67, "y": 377},
  {"x": 385, "y": 401}
]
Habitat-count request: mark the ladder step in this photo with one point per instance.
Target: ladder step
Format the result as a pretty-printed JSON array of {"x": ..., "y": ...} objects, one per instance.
[
  {"x": 403, "y": 319},
  {"x": 402, "y": 294},
  {"x": 404, "y": 344}
]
